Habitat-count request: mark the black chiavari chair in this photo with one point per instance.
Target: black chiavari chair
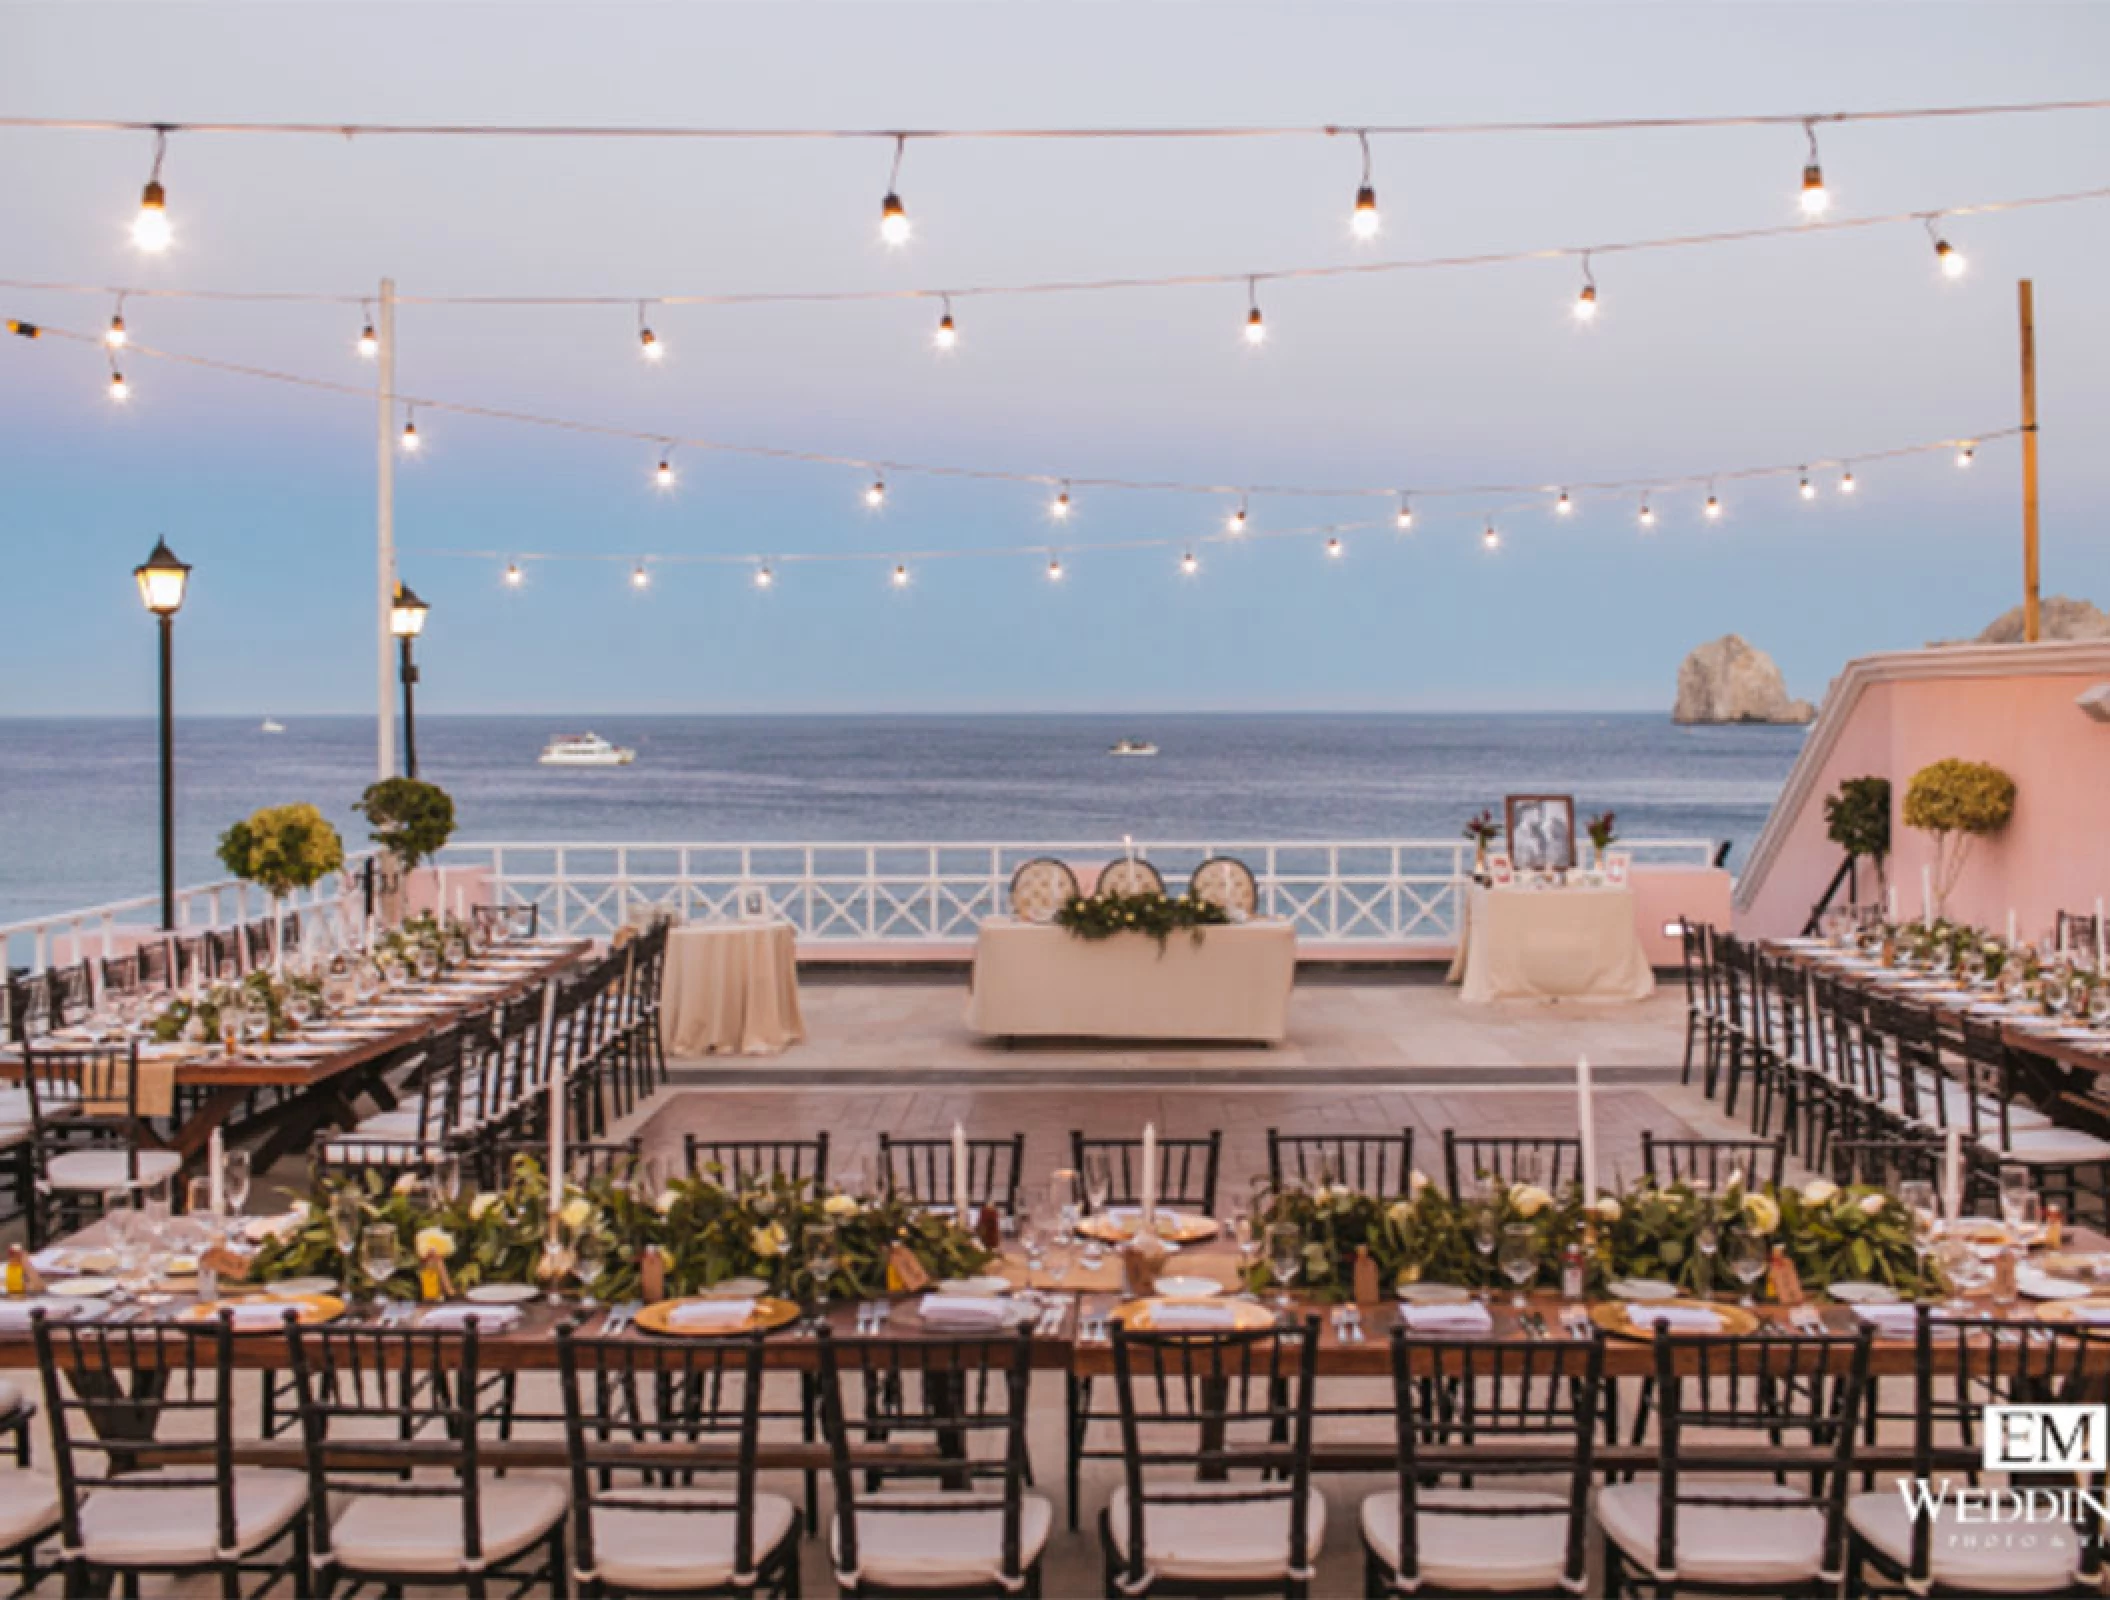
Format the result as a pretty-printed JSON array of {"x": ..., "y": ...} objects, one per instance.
[
  {"x": 1886, "y": 1163},
  {"x": 1698, "y": 973},
  {"x": 87, "y": 1130},
  {"x": 1551, "y": 1161},
  {"x": 1711, "y": 1163},
  {"x": 1374, "y": 1163},
  {"x": 921, "y": 1171},
  {"x": 72, "y": 992},
  {"x": 157, "y": 961},
  {"x": 2075, "y": 931},
  {"x": 1187, "y": 1169},
  {"x": 120, "y": 974},
  {"x": 742, "y": 1163},
  {"x": 586, "y": 1161},
  {"x": 2068, "y": 1165}
]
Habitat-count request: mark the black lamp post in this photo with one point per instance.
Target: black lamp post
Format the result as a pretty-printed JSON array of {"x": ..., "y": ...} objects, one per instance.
[
  {"x": 162, "y": 580},
  {"x": 406, "y": 620}
]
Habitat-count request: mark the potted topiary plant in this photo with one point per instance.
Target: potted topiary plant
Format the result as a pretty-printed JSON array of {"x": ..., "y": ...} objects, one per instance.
[
  {"x": 411, "y": 820},
  {"x": 282, "y": 848},
  {"x": 1958, "y": 802},
  {"x": 1857, "y": 820}
]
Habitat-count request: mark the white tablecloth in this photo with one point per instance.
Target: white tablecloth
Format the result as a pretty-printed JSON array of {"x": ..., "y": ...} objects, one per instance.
[
  {"x": 731, "y": 988},
  {"x": 1037, "y": 980},
  {"x": 1551, "y": 944}
]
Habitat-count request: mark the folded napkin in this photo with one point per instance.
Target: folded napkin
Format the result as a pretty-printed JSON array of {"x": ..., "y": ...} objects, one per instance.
[
  {"x": 966, "y": 1310},
  {"x": 2091, "y": 1313},
  {"x": 488, "y": 1319},
  {"x": 14, "y": 1314},
  {"x": 259, "y": 1316},
  {"x": 1462, "y": 1316},
  {"x": 711, "y": 1314},
  {"x": 1170, "y": 1314},
  {"x": 1892, "y": 1321},
  {"x": 1679, "y": 1319}
]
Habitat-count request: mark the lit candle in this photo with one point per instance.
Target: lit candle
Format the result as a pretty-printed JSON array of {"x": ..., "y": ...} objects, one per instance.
[
  {"x": 1952, "y": 1175},
  {"x": 959, "y": 1175},
  {"x": 216, "y": 1170},
  {"x": 556, "y": 1101},
  {"x": 1586, "y": 1115},
  {"x": 1926, "y": 894},
  {"x": 1150, "y": 1173}
]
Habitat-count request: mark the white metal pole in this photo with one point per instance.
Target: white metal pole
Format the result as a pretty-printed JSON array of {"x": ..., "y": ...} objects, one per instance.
[{"x": 385, "y": 532}]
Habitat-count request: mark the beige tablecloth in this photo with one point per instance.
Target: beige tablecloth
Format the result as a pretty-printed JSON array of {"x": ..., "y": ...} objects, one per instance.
[
  {"x": 731, "y": 988},
  {"x": 1036, "y": 980},
  {"x": 1551, "y": 944}
]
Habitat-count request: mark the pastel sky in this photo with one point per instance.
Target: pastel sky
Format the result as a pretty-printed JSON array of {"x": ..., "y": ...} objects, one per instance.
[{"x": 1702, "y": 360}]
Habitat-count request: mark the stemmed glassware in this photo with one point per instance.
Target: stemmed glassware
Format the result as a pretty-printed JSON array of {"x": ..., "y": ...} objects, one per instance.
[
  {"x": 822, "y": 1259},
  {"x": 234, "y": 1181},
  {"x": 1285, "y": 1260},
  {"x": 377, "y": 1256},
  {"x": 346, "y": 1214},
  {"x": 1748, "y": 1259},
  {"x": 1917, "y": 1196},
  {"x": 1062, "y": 1201},
  {"x": 1486, "y": 1236},
  {"x": 589, "y": 1259},
  {"x": 1519, "y": 1258}
]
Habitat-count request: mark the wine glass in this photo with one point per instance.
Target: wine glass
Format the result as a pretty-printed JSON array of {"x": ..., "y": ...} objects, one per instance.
[
  {"x": 200, "y": 1218},
  {"x": 2024, "y": 1216},
  {"x": 1519, "y": 1258},
  {"x": 121, "y": 1226},
  {"x": 346, "y": 1214},
  {"x": 1250, "y": 1243},
  {"x": 1917, "y": 1196},
  {"x": 235, "y": 1180},
  {"x": 1486, "y": 1235},
  {"x": 2057, "y": 989},
  {"x": 1748, "y": 1259},
  {"x": 1965, "y": 1269},
  {"x": 822, "y": 1260},
  {"x": 2099, "y": 1004},
  {"x": 2016, "y": 1181},
  {"x": 446, "y": 1180},
  {"x": 377, "y": 1256},
  {"x": 1062, "y": 1200},
  {"x": 1098, "y": 1180},
  {"x": 1285, "y": 1260},
  {"x": 1032, "y": 1244},
  {"x": 589, "y": 1257}
]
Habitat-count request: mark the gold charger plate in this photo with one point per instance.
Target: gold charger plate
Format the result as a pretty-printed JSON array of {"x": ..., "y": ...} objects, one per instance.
[
  {"x": 768, "y": 1313},
  {"x": 314, "y": 1309},
  {"x": 1246, "y": 1315},
  {"x": 1616, "y": 1316},
  {"x": 2070, "y": 1310},
  {"x": 1173, "y": 1227}
]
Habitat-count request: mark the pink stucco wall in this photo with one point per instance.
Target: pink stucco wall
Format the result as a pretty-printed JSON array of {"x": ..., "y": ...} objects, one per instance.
[{"x": 2054, "y": 853}]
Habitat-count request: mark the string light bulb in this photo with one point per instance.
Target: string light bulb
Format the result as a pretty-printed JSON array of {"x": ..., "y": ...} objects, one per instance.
[
  {"x": 1816, "y": 199},
  {"x": 1713, "y": 508},
  {"x": 115, "y": 336},
  {"x": 410, "y": 440},
  {"x": 1489, "y": 539},
  {"x": 764, "y": 578},
  {"x": 120, "y": 390},
  {"x": 1585, "y": 307},
  {"x": 513, "y": 575},
  {"x": 1059, "y": 507},
  {"x": 1364, "y": 221},
  {"x": 893, "y": 215},
  {"x": 1054, "y": 569},
  {"x": 1964, "y": 454},
  {"x": 1255, "y": 323},
  {"x": 369, "y": 342},
  {"x": 639, "y": 577},
  {"x": 663, "y": 474},
  {"x": 1188, "y": 565},
  {"x": 1808, "y": 490},
  {"x": 1405, "y": 520},
  {"x": 900, "y": 576},
  {"x": 1846, "y": 481},
  {"x": 1234, "y": 524},
  {"x": 1564, "y": 506},
  {"x": 875, "y": 496},
  {"x": 648, "y": 344},
  {"x": 1946, "y": 255},
  {"x": 1648, "y": 515},
  {"x": 150, "y": 229},
  {"x": 1333, "y": 548},
  {"x": 948, "y": 334}
]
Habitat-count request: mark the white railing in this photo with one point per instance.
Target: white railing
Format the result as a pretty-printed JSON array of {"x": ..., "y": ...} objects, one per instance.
[
  {"x": 1352, "y": 893},
  {"x": 113, "y": 927}
]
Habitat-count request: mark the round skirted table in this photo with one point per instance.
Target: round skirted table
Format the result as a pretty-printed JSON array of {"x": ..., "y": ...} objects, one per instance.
[
  {"x": 1574, "y": 943},
  {"x": 731, "y": 988}
]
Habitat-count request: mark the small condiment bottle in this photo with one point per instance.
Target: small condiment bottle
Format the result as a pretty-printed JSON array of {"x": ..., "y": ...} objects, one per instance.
[
  {"x": 2005, "y": 1290},
  {"x": 2054, "y": 1225},
  {"x": 1572, "y": 1271},
  {"x": 17, "y": 1270},
  {"x": 989, "y": 1228},
  {"x": 1783, "y": 1279}
]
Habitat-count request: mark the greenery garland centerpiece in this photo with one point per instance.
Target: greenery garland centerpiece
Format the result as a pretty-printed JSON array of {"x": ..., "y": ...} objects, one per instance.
[
  {"x": 1101, "y": 916},
  {"x": 280, "y": 1005}
]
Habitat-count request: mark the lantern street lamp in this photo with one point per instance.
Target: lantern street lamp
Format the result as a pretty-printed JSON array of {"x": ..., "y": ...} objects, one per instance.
[
  {"x": 162, "y": 580},
  {"x": 406, "y": 620}
]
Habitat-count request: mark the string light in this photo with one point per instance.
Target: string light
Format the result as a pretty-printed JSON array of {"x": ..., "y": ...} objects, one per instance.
[
  {"x": 948, "y": 335},
  {"x": 875, "y": 496},
  {"x": 369, "y": 341},
  {"x": 1648, "y": 515},
  {"x": 513, "y": 575},
  {"x": 1964, "y": 455},
  {"x": 1946, "y": 255},
  {"x": 1235, "y": 523},
  {"x": 639, "y": 577},
  {"x": 1405, "y": 520},
  {"x": 647, "y": 341},
  {"x": 1489, "y": 539},
  {"x": 410, "y": 429},
  {"x": 1585, "y": 307},
  {"x": 1713, "y": 508},
  {"x": 900, "y": 577},
  {"x": 1816, "y": 199},
  {"x": 1059, "y": 507},
  {"x": 893, "y": 215},
  {"x": 115, "y": 335},
  {"x": 764, "y": 578},
  {"x": 663, "y": 474},
  {"x": 1054, "y": 569},
  {"x": 119, "y": 389},
  {"x": 150, "y": 229},
  {"x": 1333, "y": 548},
  {"x": 1364, "y": 221},
  {"x": 1846, "y": 481},
  {"x": 1808, "y": 490},
  {"x": 1188, "y": 565},
  {"x": 1564, "y": 506},
  {"x": 1255, "y": 323}
]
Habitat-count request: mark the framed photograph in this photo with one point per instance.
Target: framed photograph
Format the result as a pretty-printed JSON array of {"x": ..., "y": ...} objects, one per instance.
[
  {"x": 1500, "y": 872},
  {"x": 1616, "y": 863},
  {"x": 1541, "y": 831},
  {"x": 754, "y": 903}
]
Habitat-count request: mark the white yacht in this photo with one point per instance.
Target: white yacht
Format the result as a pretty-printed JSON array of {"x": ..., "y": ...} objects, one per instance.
[
  {"x": 1133, "y": 747},
  {"x": 584, "y": 750},
  {"x": 273, "y": 725}
]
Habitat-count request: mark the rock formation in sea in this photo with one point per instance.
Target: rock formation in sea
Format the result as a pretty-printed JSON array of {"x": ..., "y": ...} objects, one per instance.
[
  {"x": 2058, "y": 617},
  {"x": 1729, "y": 680}
]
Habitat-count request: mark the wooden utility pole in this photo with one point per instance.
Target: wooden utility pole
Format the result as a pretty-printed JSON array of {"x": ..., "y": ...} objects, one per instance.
[{"x": 2030, "y": 620}]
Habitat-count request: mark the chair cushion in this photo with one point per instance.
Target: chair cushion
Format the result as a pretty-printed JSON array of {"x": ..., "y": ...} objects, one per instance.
[
  {"x": 1199, "y": 1542},
  {"x": 687, "y": 1546},
  {"x": 1505, "y": 1554},
  {"x": 181, "y": 1526},
  {"x": 1743, "y": 1544},
  {"x": 11, "y": 1398},
  {"x": 386, "y": 1533},
  {"x": 29, "y": 1509},
  {"x": 2051, "y": 1147},
  {"x": 939, "y": 1550},
  {"x": 1974, "y": 1561},
  {"x": 106, "y": 1169}
]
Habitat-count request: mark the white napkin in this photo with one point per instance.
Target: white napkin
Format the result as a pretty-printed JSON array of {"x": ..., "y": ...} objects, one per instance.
[
  {"x": 1463, "y": 1316},
  {"x": 14, "y": 1314},
  {"x": 965, "y": 1310},
  {"x": 2091, "y": 1313},
  {"x": 55, "y": 1261},
  {"x": 1893, "y": 1321},
  {"x": 711, "y": 1314},
  {"x": 1679, "y": 1319},
  {"x": 258, "y": 1317},
  {"x": 489, "y": 1319},
  {"x": 1192, "y": 1314}
]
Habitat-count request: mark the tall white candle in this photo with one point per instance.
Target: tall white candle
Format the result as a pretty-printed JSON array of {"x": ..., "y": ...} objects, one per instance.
[
  {"x": 1586, "y": 1116},
  {"x": 2098, "y": 933},
  {"x": 556, "y": 1099},
  {"x": 1893, "y": 907},
  {"x": 1952, "y": 1175},
  {"x": 461, "y": 905},
  {"x": 1128, "y": 845},
  {"x": 1150, "y": 1172},
  {"x": 1926, "y": 894},
  {"x": 216, "y": 1170},
  {"x": 959, "y": 1176},
  {"x": 2011, "y": 927}
]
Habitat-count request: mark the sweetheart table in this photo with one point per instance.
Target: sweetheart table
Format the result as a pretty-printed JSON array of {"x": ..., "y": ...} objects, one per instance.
[
  {"x": 1573, "y": 943},
  {"x": 1035, "y": 980}
]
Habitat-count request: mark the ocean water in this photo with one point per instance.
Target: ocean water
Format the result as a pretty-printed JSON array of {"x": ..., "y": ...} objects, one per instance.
[{"x": 78, "y": 797}]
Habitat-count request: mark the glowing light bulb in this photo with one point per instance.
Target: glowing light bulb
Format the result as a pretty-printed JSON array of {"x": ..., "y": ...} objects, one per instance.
[
  {"x": 1846, "y": 481},
  {"x": 1964, "y": 454},
  {"x": 410, "y": 436},
  {"x": 1059, "y": 507},
  {"x": 1585, "y": 307},
  {"x": 1713, "y": 509},
  {"x": 1188, "y": 565},
  {"x": 648, "y": 344},
  {"x": 1564, "y": 506},
  {"x": 875, "y": 496},
  {"x": 1054, "y": 569},
  {"x": 1816, "y": 199},
  {"x": 663, "y": 475},
  {"x": 1951, "y": 259},
  {"x": 1333, "y": 549},
  {"x": 1364, "y": 221},
  {"x": 1255, "y": 327},
  {"x": 639, "y": 577},
  {"x": 947, "y": 335},
  {"x": 369, "y": 342},
  {"x": 150, "y": 229},
  {"x": 115, "y": 336},
  {"x": 893, "y": 221},
  {"x": 1405, "y": 519},
  {"x": 1808, "y": 490},
  {"x": 1235, "y": 522},
  {"x": 1648, "y": 515},
  {"x": 900, "y": 577},
  {"x": 764, "y": 577},
  {"x": 119, "y": 389},
  {"x": 1490, "y": 540},
  {"x": 513, "y": 574}
]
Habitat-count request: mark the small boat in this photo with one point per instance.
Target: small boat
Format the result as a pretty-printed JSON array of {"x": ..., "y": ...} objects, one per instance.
[
  {"x": 271, "y": 725},
  {"x": 584, "y": 750},
  {"x": 1133, "y": 747}
]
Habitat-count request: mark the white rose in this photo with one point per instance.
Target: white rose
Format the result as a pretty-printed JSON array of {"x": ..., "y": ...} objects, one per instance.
[
  {"x": 1819, "y": 1190},
  {"x": 1415, "y": 1184},
  {"x": 1528, "y": 1199},
  {"x": 1873, "y": 1204},
  {"x": 408, "y": 1183},
  {"x": 839, "y": 1205},
  {"x": 434, "y": 1242},
  {"x": 768, "y": 1241},
  {"x": 667, "y": 1201},
  {"x": 576, "y": 1213},
  {"x": 482, "y": 1206},
  {"x": 1398, "y": 1212},
  {"x": 1608, "y": 1210}
]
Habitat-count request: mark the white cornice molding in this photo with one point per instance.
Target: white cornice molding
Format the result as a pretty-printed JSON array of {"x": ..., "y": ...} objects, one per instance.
[{"x": 2082, "y": 658}]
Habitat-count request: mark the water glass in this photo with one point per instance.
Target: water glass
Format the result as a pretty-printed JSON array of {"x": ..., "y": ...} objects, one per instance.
[
  {"x": 1098, "y": 1180},
  {"x": 346, "y": 1214},
  {"x": 1033, "y": 1244},
  {"x": 121, "y": 1226},
  {"x": 1965, "y": 1269},
  {"x": 197, "y": 1203},
  {"x": 2099, "y": 1004},
  {"x": 1285, "y": 1259},
  {"x": 1486, "y": 1235},
  {"x": 1062, "y": 1200},
  {"x": 2016, "y": 1181},
  {"x": 446, "y": 1181},
  {"x": 589, "y": 1258},
  {"x": 1748, "y": 1260},
  {"x": 821, "y": 1260},
  {"x": 377, "y": 1255},
  {"x": 1519, "y": 1258}
]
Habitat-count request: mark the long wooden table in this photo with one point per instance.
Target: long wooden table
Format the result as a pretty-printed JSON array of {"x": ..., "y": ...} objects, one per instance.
[{"x": 321, "y": 1089}]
